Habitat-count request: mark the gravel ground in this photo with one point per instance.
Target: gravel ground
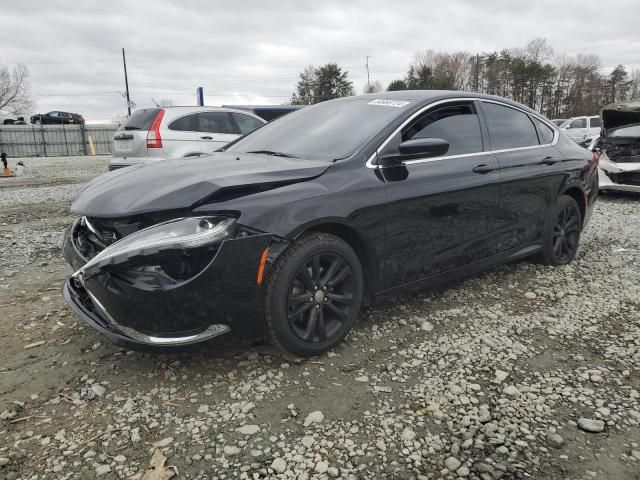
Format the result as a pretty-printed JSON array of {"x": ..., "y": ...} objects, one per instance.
[{"x": 522, "y": 372}]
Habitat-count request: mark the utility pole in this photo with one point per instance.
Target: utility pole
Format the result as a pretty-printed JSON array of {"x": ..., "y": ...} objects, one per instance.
[
  {"x": 126, "y": 82},
  {"x": 477, "y": 72},
  {"x": 368, "y": 83}
]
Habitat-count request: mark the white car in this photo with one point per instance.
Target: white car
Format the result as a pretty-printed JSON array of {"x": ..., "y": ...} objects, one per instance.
[
  {"x": 619, "y": 147},
  {"x": 580, "y": 129},
  {"x": 152, "y": 134}
]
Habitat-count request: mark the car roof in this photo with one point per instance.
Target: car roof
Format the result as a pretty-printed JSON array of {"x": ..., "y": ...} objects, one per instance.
[
  {"x": 423, "y": 97},
  {"x": 176, "y": 110}
]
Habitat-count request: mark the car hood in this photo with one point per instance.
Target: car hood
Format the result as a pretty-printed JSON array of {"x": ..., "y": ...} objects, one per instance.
[
  {"x": 618, "y": 115},
  {"x": 186, "y": 182}
]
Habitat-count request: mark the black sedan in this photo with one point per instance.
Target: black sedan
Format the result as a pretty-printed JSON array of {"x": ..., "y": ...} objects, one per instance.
[
  {"x": 57, "y": 118},
  {"x": 288, "y": 231}
]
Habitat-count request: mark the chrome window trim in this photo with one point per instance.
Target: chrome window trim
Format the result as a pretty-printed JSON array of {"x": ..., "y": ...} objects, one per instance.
[{"x": 554, "y": 128}]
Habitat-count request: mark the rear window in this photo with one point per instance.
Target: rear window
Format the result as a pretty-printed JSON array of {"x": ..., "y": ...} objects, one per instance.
[
  {"x": 508, "y": 127},
  {"x": 140, "y": 119}
]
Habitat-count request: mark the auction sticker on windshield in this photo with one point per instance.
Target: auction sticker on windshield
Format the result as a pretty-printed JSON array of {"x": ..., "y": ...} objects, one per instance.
[{"x": 389, "y": 103}]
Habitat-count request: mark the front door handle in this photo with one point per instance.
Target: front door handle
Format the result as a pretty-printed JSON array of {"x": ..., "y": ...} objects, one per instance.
[
  {"x": 550, "y": 160},
  {"x": 206, "y": 138},
  {"x": 484, "y": 168}
]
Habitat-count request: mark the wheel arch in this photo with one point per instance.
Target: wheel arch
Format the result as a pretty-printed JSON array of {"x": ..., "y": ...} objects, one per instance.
[
  {"x": 357, "y": 243},
  {"x": 579, "y": 196}
]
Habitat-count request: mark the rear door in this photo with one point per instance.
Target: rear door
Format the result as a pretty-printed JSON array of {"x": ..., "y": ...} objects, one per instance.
[
  {"x": 130, "y": 140},
  {"x": 180, "y": 137},
  {"x": 531, "y": 171},
  {"x": 215, "y": 130},
  {"x": 594, "y": 126}
]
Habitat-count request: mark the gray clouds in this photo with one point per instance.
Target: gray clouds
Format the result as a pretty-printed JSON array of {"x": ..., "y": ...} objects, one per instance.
[{"x": 252, "y": 51}]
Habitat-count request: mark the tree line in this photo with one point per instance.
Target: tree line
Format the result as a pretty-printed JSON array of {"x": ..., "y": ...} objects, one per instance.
[{"x": 558, "y": 85}]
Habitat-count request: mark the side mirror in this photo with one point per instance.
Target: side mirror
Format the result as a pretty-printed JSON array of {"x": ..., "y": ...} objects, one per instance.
[
  {"x": 425, "y": 147},
  {"x": 416, "y": 148}
]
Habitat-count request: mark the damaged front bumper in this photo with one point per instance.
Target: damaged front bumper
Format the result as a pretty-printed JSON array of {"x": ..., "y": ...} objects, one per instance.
[
  {"x": 624, "y": 177},
  {"x": 136, "y": 301}
]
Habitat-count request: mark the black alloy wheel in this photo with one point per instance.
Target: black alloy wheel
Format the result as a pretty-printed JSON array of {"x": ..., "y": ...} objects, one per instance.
[
  {"x": 313, "y": 294},
  {"x": 320, "y": 296},
  {"x": 566, "y": 233},
  {"x": 562, "y": 232}
]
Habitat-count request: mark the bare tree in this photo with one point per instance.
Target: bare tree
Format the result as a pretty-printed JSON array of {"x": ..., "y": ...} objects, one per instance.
[
  {"x": 14, "y": 90},
  {"x": 634, "y": 91},
  {"x": 373, "y": 87}
]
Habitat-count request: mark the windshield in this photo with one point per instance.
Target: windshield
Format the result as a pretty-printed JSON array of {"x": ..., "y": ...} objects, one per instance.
[
  {"x": 633, "y": 131},
  {"x": 326, "y": 131}
]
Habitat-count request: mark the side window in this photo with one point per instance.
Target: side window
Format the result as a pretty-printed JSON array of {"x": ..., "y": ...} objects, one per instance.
[
  {"x": 595, "y": 122},
  {"x": 457, "y": 124},
  {"x": 184, "y": 124},
  {"x": 215, "y": 122},
  {"x": 578, "y": 123},
  {"x": 508, "y": 127},
  {"x": 545, "y": 133},
  {"x": 53, "y": 114},
  {"x": 246, "y": 124}
]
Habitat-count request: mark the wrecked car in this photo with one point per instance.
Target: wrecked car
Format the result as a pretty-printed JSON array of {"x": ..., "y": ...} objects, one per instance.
[
  {"x": 290, "y": 229},
  {"x": 619, "y": 147}
]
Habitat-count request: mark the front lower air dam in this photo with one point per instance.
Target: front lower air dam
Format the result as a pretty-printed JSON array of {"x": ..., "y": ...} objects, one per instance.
[{"x": 147, "y": 291}]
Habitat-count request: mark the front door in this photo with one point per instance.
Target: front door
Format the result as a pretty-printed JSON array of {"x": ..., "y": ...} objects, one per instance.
[
  {"x": 215, "y": 130},
  {"x": 441, "y": 212}
]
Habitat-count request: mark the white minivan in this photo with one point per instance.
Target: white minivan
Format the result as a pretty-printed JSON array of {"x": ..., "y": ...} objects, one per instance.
[
  {"x": 580, "y": 129},
  {"x": 151, "y": 134}
]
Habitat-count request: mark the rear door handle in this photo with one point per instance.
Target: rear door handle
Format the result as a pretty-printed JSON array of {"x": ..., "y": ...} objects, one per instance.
[
  {"x": 123, "y": 136},
  {"x": 484, "y": 168},
  {"x": 206, "y": 138},
  {"x": 550, "y": 160}
]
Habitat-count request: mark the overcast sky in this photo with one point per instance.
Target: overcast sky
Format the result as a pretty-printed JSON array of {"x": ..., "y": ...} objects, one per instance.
[{"x": 250, "y": 52}]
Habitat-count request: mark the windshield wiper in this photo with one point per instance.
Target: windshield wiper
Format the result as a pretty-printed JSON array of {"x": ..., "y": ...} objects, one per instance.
[{"x": 274, "y": 153}]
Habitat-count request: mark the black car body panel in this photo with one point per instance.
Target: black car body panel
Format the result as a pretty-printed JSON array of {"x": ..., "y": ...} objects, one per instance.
[
  {"x": 417, "y": 223},
  {"x": 224, "y": 293},
  {"x": 193, "y": 181}
]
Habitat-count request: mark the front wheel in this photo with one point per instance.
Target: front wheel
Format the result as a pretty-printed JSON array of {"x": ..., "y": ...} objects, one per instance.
[
  {"x": 562, "y": 232},
  {"x": 313, "y": 295}
]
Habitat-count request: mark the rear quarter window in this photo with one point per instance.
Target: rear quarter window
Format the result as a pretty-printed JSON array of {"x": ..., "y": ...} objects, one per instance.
[
  {"x": 544, "y": 131},
  {"x": 184, "y": 124},
  {"x": 140, "y": 119}
]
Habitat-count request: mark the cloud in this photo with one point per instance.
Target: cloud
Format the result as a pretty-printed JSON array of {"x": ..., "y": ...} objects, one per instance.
[{"x": 252, "y": 51}]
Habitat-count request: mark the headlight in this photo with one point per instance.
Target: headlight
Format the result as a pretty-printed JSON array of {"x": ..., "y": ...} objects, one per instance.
[{"x": 180, "y": 234}]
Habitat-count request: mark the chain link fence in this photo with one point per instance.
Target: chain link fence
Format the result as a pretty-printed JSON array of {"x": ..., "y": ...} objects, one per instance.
[{"x": 55, "y": 140}]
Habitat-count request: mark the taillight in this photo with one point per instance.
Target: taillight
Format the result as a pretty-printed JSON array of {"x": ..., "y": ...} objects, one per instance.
[{"x": 154, "y": 140}]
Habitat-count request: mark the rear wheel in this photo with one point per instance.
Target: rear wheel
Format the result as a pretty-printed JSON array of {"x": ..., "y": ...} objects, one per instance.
[
  {"x": 313, "y": 295},
  {"x": 562, "y": 232}
]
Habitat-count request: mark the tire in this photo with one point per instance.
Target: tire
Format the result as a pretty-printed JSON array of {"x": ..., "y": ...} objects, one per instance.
[
  {"x": 561, "y": 232},
  {"x": 296, "y": 312},
  {"x": 37, "y": 122}
]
